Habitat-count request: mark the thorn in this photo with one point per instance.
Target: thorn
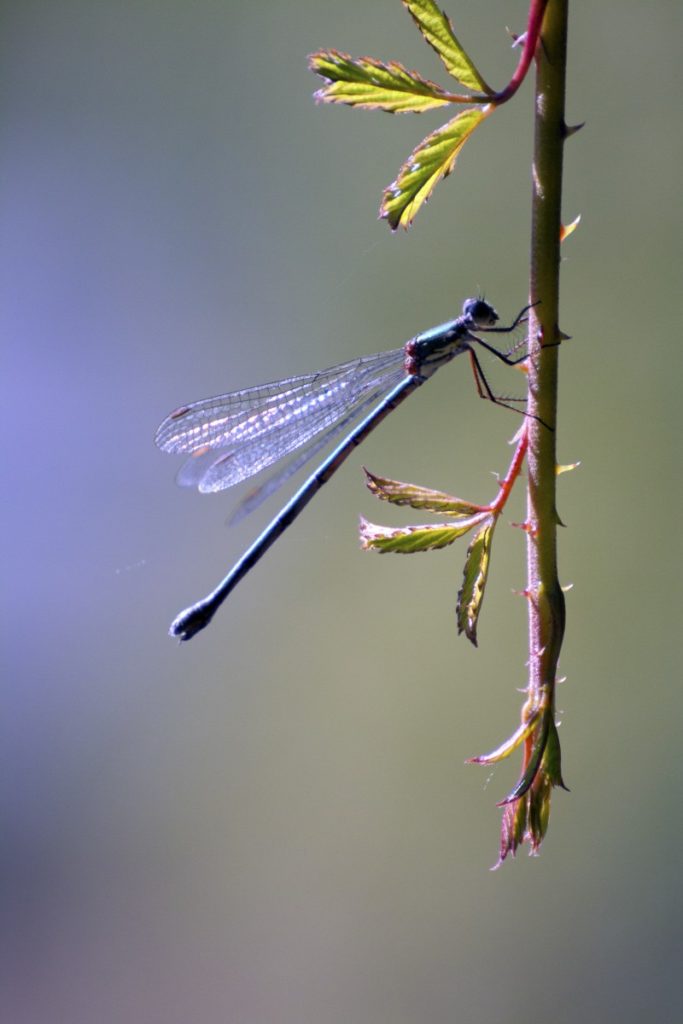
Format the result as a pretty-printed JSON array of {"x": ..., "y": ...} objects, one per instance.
[
  {"x": 522, "y": 526},
  {"x": 527, "y": 595},
  {"x": 566, "y": 230},
  {"x": 571, "y": 129},
  {"x": 567, "y": 587},
  {"x": 518, "y": 435},
  {"x": 567, "y": 467},
  {"x": 517, "y": 40}
]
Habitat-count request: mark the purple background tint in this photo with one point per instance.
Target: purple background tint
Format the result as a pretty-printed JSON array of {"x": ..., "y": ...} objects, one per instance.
[{"x": 274, "y": 823}]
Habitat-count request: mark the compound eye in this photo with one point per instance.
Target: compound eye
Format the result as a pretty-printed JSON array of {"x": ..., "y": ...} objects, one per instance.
[{"x": 480, "y": 312}]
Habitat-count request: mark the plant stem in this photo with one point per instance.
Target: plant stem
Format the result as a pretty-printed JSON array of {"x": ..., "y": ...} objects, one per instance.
[
  {"x": 546, "y": 607},
  {"x": 526, "y": 818}
]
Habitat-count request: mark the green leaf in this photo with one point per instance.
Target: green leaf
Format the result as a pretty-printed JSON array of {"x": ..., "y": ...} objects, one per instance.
[
  {"x": 373, "y": 85},
  {"x": 406, "y": 540},
  {"x": 437, "y": 30},
  {"x": 475, "y": 575},
  {"x": 432, "y": 160},
  {"x": 399, "y": 493}
]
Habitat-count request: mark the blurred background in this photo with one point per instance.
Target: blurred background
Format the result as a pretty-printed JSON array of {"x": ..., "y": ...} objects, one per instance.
[{"x": 273, "y": 823}]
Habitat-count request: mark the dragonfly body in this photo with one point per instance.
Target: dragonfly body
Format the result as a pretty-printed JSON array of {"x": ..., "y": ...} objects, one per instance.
[{"x": 234, "y": 436}]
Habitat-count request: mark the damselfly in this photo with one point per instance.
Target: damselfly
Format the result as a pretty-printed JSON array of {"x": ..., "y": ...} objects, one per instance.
[{"x": 234, "y": 436}]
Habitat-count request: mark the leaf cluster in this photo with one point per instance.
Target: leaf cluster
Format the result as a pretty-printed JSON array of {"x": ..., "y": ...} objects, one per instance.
[
  {"x": 371, "y": 84},
  {"x": 465, "y": 517}
]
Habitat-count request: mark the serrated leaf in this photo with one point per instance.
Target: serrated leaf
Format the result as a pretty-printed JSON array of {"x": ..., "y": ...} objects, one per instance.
[
  {"x": 406, "y": 540},
  {"x": 399, "y": 493},
  {"x": 437, "y": 30},
  {"x": 432, "y": 160},
  {"x": 371, "y": 84},
  {"x": 475, "y": 575}
]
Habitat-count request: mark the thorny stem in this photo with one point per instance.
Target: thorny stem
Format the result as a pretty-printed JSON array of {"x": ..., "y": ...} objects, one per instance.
[{"x": 525, "y": 818}]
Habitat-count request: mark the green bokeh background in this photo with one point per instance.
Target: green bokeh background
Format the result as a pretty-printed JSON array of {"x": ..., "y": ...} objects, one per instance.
[{"x": 274, "y": 823}]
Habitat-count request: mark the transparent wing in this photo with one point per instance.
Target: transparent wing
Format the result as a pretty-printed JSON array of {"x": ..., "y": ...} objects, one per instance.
[
  {"x": 274, "y": 482},
  {"x": 232, "y": 437}
]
